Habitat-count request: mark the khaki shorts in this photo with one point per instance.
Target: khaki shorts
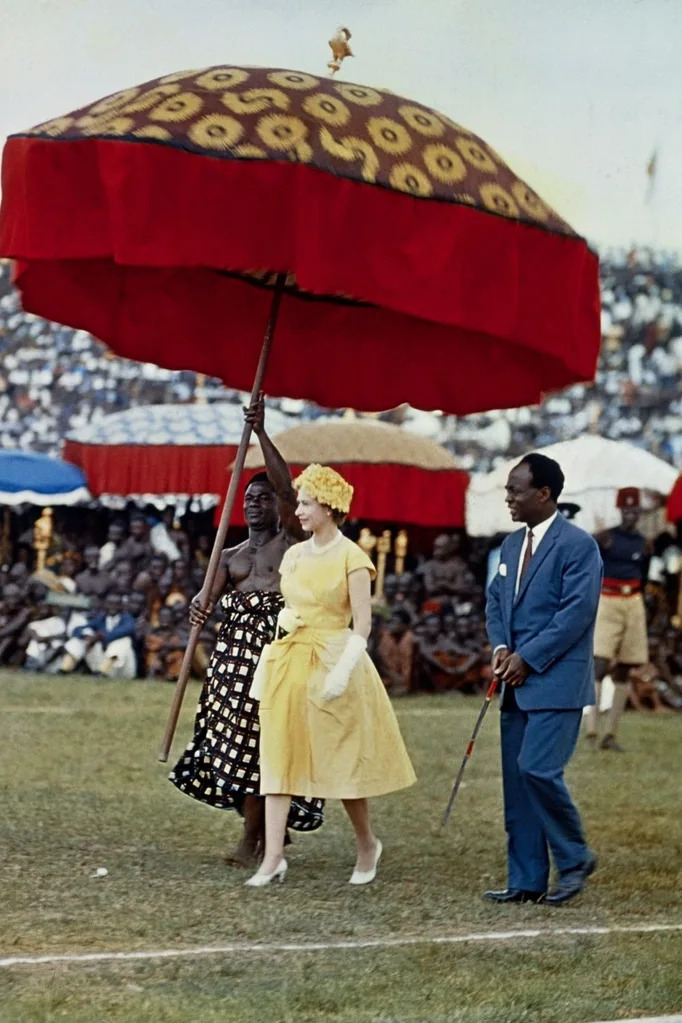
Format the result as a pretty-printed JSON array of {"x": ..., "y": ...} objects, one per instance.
[{"x": 621, "y": 633}]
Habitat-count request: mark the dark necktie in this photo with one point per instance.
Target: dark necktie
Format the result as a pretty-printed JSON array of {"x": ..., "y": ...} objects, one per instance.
[{"x": 528, "y": 554}]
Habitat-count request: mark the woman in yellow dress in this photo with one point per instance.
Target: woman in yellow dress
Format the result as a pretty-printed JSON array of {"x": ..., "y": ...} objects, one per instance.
[{"x": 327, "y": 726}]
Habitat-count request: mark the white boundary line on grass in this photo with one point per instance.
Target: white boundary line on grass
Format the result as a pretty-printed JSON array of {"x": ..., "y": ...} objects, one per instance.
[{"x": 331, "y": 946}]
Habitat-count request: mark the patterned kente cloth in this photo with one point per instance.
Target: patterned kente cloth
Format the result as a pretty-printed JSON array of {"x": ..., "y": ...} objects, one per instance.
[{"x": 221, "y": 766}]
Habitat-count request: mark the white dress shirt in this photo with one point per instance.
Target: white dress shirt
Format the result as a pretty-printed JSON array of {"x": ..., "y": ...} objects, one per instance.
[{"x": 539, "y": 533}]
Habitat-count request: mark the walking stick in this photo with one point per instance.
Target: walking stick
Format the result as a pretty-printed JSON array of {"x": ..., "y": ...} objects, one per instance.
[
  {"x": 223, "y": 525},
  {"x": 470, "y": 749}
]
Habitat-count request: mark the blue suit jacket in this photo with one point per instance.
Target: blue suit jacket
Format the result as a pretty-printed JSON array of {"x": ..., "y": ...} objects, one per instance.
[
  {"x": 550, "y": 623},
  {"x": 125, "y": 627}
]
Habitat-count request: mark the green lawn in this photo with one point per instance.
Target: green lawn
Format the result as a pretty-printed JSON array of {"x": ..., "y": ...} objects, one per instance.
[{"x": 80, "y": 788}]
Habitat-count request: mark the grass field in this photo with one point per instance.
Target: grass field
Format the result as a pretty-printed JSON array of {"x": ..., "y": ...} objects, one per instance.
[{"x": 81, "y": 789}]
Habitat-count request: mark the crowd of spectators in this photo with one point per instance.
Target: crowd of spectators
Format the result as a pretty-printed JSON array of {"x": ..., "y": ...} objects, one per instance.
[
  {"x": 54, "y": 380},
  {"x": 429, "y": 629},
  {"x": 119, "y": 609}
]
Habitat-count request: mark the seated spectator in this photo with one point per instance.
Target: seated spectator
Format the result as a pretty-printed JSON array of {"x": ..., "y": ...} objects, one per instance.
[
  {"x": 443, "y": 575},
  {"x": 177, "y": 585},
  {"x": 161, "y": 539},
  {"x": 465, "y": 650},
  {"x": 66, "y": 577},
  {"x": 383, "y": 605},
  {"x": 410, "y": 595},
  {"x": 45, "y": 635},
  {"x": 434, "y": 663},
  {"x": 643, "y": 688},
  {"x": 177, "y": 535},
  {"x": 197, "y": 576},
  {"x": 105, "y": 643},
  {"x": 92, "y": 581},
  {"x": 164, "y": 648},
  {"x": 395, "y": 653},
  {"x": 136, "y": 549},
  {"x": 115, "y": 537},
  {"x": 122, "y": 577},
  {"x": 135, "y": 604},
  {"x": 15, "y": 614},
  {"x": 666, "y": 656},
  {"x": 202, "y": 553},
  {"x": 151, "y": 582},
  {"x": 19, "y": 575}
]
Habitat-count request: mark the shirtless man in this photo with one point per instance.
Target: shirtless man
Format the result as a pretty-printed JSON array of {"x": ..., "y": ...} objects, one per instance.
[{"x": 221, "y": 764}]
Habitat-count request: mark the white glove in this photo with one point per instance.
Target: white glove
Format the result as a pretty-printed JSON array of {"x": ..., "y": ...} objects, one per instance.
[
  {"x": 288, "y": 621},
  {"x": 338, "y": 678},
  {"x": 258, "y": 681}
]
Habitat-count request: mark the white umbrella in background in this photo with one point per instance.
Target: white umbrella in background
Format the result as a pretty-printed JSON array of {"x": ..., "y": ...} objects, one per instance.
[{"x": 595, "y": 469}]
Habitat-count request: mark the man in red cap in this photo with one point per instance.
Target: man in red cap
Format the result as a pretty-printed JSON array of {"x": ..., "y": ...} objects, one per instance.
[{"x": 621, "y": 632}]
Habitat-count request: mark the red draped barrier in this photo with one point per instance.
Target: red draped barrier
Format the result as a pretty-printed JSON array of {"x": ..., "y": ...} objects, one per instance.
[{"x": 675, "y": 502}]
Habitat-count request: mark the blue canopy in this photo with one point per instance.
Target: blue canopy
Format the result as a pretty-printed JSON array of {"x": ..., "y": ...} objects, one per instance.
[{"x": 28, "y": 478}]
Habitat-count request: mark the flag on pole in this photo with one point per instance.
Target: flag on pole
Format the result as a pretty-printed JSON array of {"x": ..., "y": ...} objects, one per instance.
[{"x": 651, "y": 169}]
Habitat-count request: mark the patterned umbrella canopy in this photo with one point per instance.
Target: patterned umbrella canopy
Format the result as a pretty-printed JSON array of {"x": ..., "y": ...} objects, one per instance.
[
  {"x": 397, "y": 477},
  {"x": 421, "y": 266},
  {"x": 28, "y": 478}
]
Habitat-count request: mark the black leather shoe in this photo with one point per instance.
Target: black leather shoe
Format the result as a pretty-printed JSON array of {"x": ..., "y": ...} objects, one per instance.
[
  {"x": 513, "y": 895},
  {"x": 572, "y": 883}
]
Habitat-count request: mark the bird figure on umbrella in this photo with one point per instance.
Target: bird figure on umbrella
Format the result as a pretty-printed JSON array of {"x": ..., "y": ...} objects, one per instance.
[{"x": 340, "y": 49}]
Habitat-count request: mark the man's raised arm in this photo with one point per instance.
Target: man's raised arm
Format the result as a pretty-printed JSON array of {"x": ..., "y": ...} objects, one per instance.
[{"x": 277, "y": 470}]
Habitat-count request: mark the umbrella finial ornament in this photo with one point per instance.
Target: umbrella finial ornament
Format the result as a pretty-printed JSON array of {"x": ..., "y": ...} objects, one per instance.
[{"x": 340, "y": 49}]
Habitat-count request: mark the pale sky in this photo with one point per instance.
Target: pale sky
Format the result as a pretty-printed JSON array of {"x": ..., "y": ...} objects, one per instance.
[{"x": 575, "y": 94}]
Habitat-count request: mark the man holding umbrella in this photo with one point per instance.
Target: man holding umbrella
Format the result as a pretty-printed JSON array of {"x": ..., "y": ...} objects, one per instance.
[{"x": 221, "y": 765}]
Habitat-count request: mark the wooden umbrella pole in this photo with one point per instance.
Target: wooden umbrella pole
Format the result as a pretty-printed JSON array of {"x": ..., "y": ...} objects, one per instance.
[{"x": 223, "y": 526}]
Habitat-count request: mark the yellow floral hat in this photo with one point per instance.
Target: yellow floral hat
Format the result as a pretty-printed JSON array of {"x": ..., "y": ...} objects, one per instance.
[{"x": 327, "y": 487}]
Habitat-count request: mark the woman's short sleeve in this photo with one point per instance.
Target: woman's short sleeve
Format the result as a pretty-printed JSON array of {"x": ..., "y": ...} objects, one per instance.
[{"x": 356, "y": 558}]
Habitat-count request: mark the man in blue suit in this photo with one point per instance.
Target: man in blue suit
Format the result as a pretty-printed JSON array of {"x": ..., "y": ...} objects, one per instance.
[{"x": 541, "y": 612}]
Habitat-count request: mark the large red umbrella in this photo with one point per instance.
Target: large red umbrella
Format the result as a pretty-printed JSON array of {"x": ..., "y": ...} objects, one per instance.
[
  {"x": 449, "y": 282},
  {"x": 409, "y": 261}
]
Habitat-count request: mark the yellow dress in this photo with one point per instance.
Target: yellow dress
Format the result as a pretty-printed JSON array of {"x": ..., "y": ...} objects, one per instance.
[{"x": 347, "y": 748}]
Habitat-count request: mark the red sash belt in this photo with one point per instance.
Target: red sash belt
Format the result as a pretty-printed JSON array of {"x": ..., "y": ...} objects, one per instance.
[{"x": 621, "y": 587}]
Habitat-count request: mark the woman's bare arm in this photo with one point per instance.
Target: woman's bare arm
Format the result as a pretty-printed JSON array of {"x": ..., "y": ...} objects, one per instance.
[{"x": 360, "y": 592}]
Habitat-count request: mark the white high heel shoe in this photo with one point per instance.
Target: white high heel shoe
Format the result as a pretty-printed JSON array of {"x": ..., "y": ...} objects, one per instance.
[
  {"x": 260, "y": 880},
  {"x": 367, "y": 876}
]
